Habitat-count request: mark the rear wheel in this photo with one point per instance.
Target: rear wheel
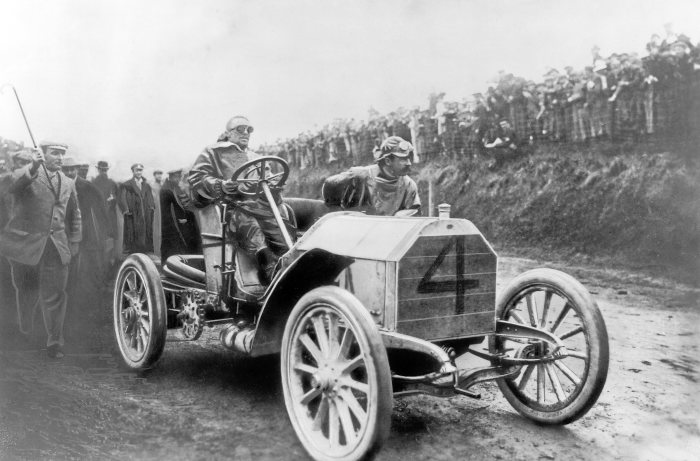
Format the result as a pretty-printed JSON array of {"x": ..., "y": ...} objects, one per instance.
[
  {"x": 140, "y": 313},
  {"x": 557, "y": 389},
  {"x": 336, "y": 377}
]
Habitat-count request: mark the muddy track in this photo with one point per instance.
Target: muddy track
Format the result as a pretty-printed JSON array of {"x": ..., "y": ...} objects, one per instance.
[{"x": 202, "y": 402}]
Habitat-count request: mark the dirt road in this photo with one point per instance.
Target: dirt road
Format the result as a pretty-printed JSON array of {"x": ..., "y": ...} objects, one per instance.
[{"x": 201, "y": 402}]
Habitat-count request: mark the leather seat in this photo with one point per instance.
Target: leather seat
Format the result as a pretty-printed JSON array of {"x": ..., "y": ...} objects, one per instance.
[
  {"x": 191, "y": 267},
  {"x": 307, "y": 211}
]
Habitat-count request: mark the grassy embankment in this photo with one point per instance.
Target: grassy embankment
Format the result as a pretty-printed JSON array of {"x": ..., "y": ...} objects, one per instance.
[{"x": 636, "y": 207}]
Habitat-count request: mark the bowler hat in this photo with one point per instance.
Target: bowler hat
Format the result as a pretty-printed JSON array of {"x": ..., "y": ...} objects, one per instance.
[{"x": 102, "y": 165}]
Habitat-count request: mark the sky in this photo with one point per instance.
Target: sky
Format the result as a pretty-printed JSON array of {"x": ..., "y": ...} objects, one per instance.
[{"x": 155, "y": 81}]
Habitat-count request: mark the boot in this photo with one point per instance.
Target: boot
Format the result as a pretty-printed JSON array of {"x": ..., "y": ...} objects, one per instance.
[{"x": 267, "y": 263}]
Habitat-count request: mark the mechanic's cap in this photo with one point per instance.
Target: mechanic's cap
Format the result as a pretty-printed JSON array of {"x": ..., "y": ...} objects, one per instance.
[
  {"x": 393, "y": 145},
  {"x": 53, "y": 145}
]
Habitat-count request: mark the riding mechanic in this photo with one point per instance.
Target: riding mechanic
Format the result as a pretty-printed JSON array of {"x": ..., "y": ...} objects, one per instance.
[
  {"x": 251, "y": 221},
  {"x": 383, "y": 188}
]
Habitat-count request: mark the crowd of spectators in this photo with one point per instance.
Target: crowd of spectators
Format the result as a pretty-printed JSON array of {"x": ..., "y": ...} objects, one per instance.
[{"x": 623, "y": 96}]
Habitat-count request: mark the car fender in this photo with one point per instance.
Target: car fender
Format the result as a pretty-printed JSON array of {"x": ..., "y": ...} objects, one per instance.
[{"x": 313, "y": 269}]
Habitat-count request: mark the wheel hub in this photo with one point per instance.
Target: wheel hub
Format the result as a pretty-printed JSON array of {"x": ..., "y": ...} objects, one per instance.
[{"x": 326, "y": 379}]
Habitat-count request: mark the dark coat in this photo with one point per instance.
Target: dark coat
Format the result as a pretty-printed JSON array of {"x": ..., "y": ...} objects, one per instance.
[
  {"x": 96, "y": 224},
  {"x": 38, "y": 216},
  {"x": 138, "y": 208},
  {"x": 179, "y": 231},
  {"x": 110, "y": 191}
]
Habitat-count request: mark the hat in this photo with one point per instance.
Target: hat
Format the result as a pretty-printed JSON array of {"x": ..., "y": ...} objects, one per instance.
[
  {"x": 84, "y": 165},
  {"x": 175, "y": 171},
  {"x": 155, "y": 172},
  {"x": 599, "y": 65},
  {"x": 136, "y": 165},
  {"x": 393, "y": 145},
  {"x": 69, "y": 162},
  {"x": 53, "y": 145},
  {"x": 24, "y": 155},
  {"x": 238, "y": 120},
  {"x": 551, "y": 73},
  {"x": 102, "y": 165}
]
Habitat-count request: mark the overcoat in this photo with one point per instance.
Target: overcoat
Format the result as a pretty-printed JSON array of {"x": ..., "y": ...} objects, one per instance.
[{"x": 138, "y": 207}]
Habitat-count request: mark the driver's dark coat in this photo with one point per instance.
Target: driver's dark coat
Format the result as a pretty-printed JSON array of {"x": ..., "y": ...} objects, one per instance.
[{"x": 216, "y": 163}]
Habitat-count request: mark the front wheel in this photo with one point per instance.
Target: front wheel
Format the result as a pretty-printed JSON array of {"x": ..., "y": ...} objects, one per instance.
[
  {"x": 555, "y": 388},
  {"x": 140, "y": 313},
  {"x": 336, "y": 377}
]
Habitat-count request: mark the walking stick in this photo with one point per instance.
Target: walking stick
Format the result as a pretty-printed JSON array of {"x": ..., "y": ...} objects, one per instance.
[{"x": 24, "y": 116}]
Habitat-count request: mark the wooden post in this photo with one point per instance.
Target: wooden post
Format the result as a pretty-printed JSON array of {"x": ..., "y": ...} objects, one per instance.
[{"x": 430, "y": 199}]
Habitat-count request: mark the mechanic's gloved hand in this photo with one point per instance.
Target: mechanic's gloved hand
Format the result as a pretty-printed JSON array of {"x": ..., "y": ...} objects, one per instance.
[{"x": 229, "y": 187}]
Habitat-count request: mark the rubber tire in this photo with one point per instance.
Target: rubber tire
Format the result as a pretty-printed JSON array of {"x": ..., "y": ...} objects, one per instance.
[
  {"x": 379, "y": 426},
  {"x": 595, "y": 329},
  {"x": 157, "y": 307}
]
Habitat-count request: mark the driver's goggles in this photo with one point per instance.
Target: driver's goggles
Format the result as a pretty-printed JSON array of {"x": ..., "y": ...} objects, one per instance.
[{"x": 243, "y": 129}]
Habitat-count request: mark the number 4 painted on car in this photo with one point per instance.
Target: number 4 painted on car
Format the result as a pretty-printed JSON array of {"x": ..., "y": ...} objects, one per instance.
[{"x": 459, "y": 284}]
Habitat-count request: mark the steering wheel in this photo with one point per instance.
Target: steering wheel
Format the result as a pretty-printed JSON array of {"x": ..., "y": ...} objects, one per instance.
[{"x": 253, "y": 173}]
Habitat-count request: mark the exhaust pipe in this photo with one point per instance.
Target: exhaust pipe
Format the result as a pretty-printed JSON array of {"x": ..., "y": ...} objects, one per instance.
[{"x": 239, "y": 339}]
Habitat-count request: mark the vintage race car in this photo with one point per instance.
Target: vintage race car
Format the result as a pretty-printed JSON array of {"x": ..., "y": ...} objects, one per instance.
[{"x": 368, "y": 308}]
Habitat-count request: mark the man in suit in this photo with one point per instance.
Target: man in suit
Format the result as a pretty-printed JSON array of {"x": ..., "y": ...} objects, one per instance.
[{"x": 41, "y": 238}]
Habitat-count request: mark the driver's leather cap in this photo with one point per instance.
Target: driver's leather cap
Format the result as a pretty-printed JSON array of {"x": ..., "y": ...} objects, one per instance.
[{"x": 238, "y": 120}]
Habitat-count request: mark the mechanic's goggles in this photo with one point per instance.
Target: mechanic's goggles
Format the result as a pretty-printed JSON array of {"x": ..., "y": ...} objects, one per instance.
[{"x": 243, "y": 129}]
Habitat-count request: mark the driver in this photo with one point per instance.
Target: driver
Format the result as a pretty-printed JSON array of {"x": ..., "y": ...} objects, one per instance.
[
  {"x": 384, "y": 187},
  {"x": 250, "y": 220}
]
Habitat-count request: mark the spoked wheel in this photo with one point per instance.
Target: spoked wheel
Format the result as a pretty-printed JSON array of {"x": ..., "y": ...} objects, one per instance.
[
  {"x": 140, "y": 316},
  {"x": 336, "y": 377},
  {"x": 561, "y": 387}
]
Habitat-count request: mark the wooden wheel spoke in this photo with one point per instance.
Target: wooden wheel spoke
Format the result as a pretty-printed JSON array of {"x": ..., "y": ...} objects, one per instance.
[
  {"x": 565, "y": 310},
  {"x": 554, "y": 380},
  {"x": 352, "y": 365},
  {"x": 573, "y": 377},
  {"x": 131, "y": 281},
  {"x": 346, "y": 422},
  {"x": 541, "y": 383},
  {"x": 526, "y": 377},
  {"x": 333, "y": 336},
  {"x": 514, "y": 316},
  {"x": 346, "y": 343},
  {"x": 531, "y": 309},
  {"x": 321, "y": 415},
  {"x": 355, "y": 407},
  {"x": 357, "y": 385},
  {"x": 333, "y": 425},
  {"x": 304, "y": 368},
  {"x": 577, "y": 354},
  {"x": 145, "y": 326},
  {"x": 310, "y": 396},
  {"x": 571, "y": 333},
  {"x": 311, "y": 347},
  {"x": 321, "y": 335},
  {"x": 545, "y": 309}
]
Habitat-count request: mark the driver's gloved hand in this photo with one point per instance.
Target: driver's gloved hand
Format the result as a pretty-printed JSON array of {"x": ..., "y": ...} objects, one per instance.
[{"x": 229, "y": 187}]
